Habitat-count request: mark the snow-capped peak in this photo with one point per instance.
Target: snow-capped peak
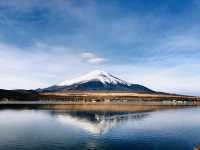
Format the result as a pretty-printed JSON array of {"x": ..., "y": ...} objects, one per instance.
[{"x": 96, "y": 75}]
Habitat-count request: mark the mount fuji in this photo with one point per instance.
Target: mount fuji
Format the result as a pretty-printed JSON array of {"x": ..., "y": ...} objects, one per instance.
[{"x": 97, "y": 81}]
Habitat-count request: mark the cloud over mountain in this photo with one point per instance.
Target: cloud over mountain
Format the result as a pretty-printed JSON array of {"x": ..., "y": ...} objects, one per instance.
[{"x": 93, "y": 59}]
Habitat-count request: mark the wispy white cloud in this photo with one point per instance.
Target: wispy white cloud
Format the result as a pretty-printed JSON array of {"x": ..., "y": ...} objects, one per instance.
[
  {"x": 36, "y": 67},
  {"x": 181, "y": 79},
  {"x": 97, "y": 60},
  {"x": 93, "y": 59},
  {"x": 88, "y": 55}
]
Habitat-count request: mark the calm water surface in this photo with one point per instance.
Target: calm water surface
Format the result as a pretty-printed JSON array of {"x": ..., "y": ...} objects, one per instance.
[{"x": 74, "y": 130}]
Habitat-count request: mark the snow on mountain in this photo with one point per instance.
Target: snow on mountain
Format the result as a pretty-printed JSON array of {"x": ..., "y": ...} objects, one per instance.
[
  {"x": 96, "y": 81},
  {"x": 96, "y": 75}
]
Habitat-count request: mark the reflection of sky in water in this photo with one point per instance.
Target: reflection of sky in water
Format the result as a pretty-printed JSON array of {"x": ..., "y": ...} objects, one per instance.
[{"x": 56, "y": 130}]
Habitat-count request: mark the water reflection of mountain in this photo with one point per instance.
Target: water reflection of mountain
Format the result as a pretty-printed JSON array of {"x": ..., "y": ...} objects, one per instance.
[{"x": 97, "y": 122}]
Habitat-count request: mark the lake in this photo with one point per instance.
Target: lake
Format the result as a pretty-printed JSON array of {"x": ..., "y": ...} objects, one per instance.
[{"x": 175, "y": 129}]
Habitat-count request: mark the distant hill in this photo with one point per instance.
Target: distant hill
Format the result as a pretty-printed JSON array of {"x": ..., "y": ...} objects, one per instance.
[
  {"x": 22, "y": 95},
  {"x": 97, "y": 81}
]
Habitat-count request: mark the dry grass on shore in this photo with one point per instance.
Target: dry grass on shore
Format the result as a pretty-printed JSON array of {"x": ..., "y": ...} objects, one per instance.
[{"x": 116, "y": 95}]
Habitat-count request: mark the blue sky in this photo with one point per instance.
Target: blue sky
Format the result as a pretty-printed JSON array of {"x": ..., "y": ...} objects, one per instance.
[{"x": 151, "y": 42}]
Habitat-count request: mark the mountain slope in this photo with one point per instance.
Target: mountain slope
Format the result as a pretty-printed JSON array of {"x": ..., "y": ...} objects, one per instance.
[{"x": 97, "y": 81}]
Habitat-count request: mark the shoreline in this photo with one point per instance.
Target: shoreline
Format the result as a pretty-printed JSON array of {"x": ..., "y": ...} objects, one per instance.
[
  {"x": 114, "y": 97},
  {"x": 133, "y": 102},
  {"x": 101, "y": 101},
  {"x": 90, "y": 106}
]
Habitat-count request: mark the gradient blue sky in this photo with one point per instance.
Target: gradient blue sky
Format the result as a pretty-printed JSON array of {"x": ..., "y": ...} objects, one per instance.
[{"x": 151, "y": 42}]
